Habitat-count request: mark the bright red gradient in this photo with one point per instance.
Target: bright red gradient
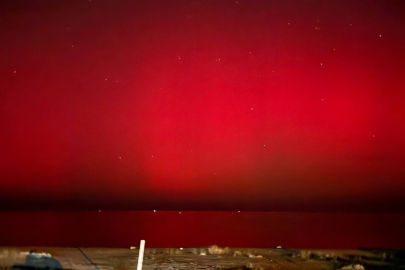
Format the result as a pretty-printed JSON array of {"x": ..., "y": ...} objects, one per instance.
[{"x": 202, "y": 105}]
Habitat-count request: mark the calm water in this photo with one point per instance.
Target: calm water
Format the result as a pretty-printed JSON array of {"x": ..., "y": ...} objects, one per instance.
[{"x": 189, "y": 229}]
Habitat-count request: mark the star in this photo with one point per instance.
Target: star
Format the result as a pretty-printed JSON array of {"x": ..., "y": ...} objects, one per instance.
[
  {"x": 154, "y": 211},
  {"x": 15, "y": 71},
  {"x": 380, "y": 36},
  {"x": 264, "y": 145},
  {"x": 119, "y": 157}
]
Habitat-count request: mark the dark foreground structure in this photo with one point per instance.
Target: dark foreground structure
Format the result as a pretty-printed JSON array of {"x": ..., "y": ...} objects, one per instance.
[
  {"x": 212, "y": 258},
  {"x": 36, "y": 261}
]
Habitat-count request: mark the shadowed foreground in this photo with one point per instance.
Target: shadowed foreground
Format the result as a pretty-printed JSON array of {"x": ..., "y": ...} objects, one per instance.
[{"x": 209, "y": 258}]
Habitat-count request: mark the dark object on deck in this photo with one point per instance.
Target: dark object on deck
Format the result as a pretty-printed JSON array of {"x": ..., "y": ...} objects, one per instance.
[{"x": 37, "y": 261}]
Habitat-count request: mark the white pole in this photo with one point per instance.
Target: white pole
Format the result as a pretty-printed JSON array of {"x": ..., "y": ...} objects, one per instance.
[{"x": 140, "y": 258}]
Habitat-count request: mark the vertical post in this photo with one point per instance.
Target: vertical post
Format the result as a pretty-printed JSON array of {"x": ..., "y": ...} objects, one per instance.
[{"x": 140, "y": 258}]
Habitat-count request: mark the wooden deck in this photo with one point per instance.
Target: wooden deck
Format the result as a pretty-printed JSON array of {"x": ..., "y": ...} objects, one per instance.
[{"x": 210, "y": 258}]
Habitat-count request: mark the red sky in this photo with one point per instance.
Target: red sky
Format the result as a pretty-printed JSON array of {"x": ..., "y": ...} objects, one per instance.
[{"x": 202, "y": 105}]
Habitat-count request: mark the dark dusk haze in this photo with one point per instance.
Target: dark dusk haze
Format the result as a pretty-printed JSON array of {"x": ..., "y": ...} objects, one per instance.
[{"x": 202, "y": 105}]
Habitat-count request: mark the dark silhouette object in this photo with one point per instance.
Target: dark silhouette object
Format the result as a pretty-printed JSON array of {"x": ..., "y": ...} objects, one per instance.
[{"x": 37, "y": 261}]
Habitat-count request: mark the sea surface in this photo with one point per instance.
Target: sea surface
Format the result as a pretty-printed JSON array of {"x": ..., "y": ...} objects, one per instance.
[{"x": 162, "y": 229}]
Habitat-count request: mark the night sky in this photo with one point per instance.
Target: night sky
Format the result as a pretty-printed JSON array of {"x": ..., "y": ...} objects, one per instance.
[{"x": 276, "y": 105}]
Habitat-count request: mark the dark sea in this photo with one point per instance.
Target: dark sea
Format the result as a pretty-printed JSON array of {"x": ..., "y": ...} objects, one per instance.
[{"x": 193, "y": 229}]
